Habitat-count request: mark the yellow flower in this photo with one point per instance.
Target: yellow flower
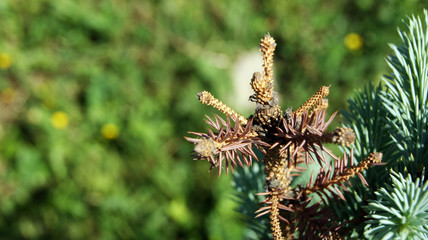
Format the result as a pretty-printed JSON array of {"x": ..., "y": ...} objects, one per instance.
[
  {"x": 353, "y": 41},
  {"x": 5, "y": 61},
  {"x": 59, "y": 120},
  {"x": 110, "y": 131}
]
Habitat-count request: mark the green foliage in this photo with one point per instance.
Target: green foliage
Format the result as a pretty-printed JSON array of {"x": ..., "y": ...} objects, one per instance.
[
  {"x": 138, "y": 65},
  {"x": 248, "y": 181},
  {"x": 406, "y": 95},
  {"x": 391, "y": 118},
  {"x": 400, "y": 210},
  {"x": 394, "y": 121}
]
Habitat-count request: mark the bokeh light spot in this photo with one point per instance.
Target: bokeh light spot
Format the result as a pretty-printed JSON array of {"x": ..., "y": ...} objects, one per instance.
[
  {"x": 353, "y": 41},
  {"x": 59, "y": 120},
  {"x": 5, "y": 61},
  {"x": 110, "y": 131}
]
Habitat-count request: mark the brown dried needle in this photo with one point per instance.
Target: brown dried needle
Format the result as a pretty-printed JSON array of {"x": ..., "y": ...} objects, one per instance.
[{"x": 290, "y": 141}]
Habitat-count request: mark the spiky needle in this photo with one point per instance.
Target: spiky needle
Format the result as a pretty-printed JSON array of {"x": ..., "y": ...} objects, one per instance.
[{"x": 290, "y": 141}]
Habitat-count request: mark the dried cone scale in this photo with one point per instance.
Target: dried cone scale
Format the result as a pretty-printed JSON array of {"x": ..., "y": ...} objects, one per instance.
[{"x": 290, "y": 142}]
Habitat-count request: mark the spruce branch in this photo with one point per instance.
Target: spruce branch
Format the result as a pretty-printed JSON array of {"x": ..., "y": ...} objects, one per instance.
[
  {"x": 307, "y": 133},
  {"x": 400, "y": 210},
  {"x": 393, "y": 118},
  {"x": 290, "y": 142},
  {"x": 316, "y": 99},
  {"x": 339, "y": 173},
  {"x": 407, "y": 93},
  {"x": 262, "y": 84},
  {"x": 226, "y": 144},
  {"x": 208, "y": 99}
]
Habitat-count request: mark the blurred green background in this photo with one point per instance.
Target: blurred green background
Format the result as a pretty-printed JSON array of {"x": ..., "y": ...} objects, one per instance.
[{"x": 96, "y": 96}]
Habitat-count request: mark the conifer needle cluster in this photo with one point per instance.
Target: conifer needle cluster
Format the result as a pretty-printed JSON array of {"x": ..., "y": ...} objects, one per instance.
[{"x": 291, "y": 141}]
